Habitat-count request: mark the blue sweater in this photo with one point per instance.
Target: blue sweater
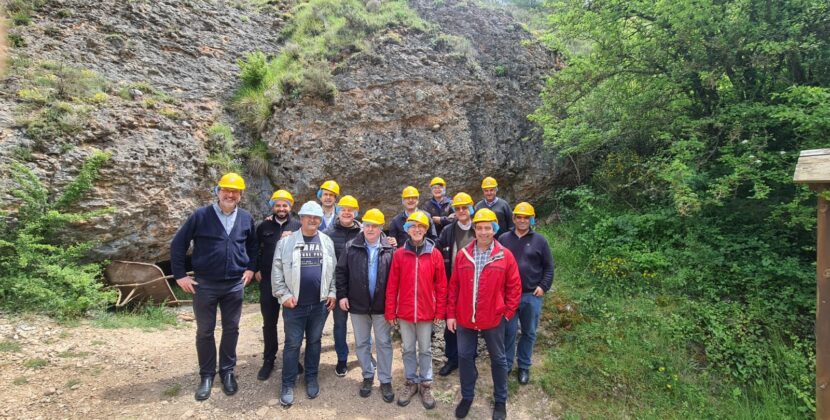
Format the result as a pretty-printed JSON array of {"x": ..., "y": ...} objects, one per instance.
[
  {"x": 217, "y": 256},
  {"x": 533, "y": 257}
]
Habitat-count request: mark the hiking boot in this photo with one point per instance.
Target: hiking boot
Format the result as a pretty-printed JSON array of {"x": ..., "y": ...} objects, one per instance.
[
  {"x": 366, "y": 387},
  {"x": 265, "y": 371},
  {"x": 524, "y": 376},
  {"x": 499, "y": 411},
  {"x": 463, "y": 408},
  {"x": 340, "y": 370},
  {"x": 386, "y": 392},
  {"x": 409, "y": 390},
  {"x": 447, "y": 368},
  {"x": 426, "y": 395}
]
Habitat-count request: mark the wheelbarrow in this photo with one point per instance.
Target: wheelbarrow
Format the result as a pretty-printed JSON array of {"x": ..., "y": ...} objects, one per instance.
[{"x": 141, "y": 282}]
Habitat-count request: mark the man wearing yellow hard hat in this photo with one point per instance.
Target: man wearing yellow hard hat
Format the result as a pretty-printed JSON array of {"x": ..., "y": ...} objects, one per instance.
[
  {"x": 501, "y": 208},
  {"x": 483, "y": 297},
  {"x": 343, "y": 229},
  {"x": 278, "y": 224},
  {"x": 439, "y": 207},
  {"x": 327, "y": 194},
  {"x": 397, "y": 233},
  {"x": 224, "y": 261}
]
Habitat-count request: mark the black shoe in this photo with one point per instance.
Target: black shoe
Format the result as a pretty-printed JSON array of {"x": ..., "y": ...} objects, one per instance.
[
  {"x": 300, "y": 368},
  {"x": 340, "y": 370},
  {"x": 524, "y": 376},
  {"x": 312, "y": 389},
  {"x": 499, "y": 411},
  {"x": 203, "y": 391},
  {"x": 287, "y": 396},
  {"x": 463, "y": 408},
  {"x": 366, "y": 387},
  {"x": 387, "y": 392},
  {"x": 229, "y": 386},
  {"x": 447, "y": 368},
  {"x": 265, "y": 371}
]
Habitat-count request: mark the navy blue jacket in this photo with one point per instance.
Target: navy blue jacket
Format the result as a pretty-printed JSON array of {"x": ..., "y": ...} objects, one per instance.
[
  {"x": 533, "y": 257},
  {"x": 397, "y": 231},
  {"x": 216, "y": 255},
  {"x": 442, "y": 210},
  {"x": 503, "y": 214}
]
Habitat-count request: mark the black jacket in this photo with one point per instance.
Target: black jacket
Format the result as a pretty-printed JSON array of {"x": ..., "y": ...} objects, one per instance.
[
  {"x": 397, "y": 231},
  {"x": 268, "y": 233},
  {"x": 352, "y": 276},
  {"x": 445, "y": 243},
  {"x": 442, "y": 210},
  {"x": 340, "y": 234}
]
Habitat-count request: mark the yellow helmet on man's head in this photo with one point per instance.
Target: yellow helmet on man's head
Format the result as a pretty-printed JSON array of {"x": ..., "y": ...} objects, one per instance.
[
  {"x": 348, "y": 201},
  {"x": 437, "y": 181},
  {"x": 332, "y": 186},
  {"x": 485, "y": 215},
  {"x": 232, "y": 181},
  {"x": 409, "y": 192},
  {"x": 281, "y": 195},
  {"x": 524, "y": 209},
  {"x": 374, "y": 217},
  {"x": 419, "y": 217},
  {"x": 462, "y": 199},
  {"x": 489, "y": 182}
]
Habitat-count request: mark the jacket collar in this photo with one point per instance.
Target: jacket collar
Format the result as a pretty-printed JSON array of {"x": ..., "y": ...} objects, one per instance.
[
  {"x": 426, "y": 248},
  {"x": 359, "y": 241}
]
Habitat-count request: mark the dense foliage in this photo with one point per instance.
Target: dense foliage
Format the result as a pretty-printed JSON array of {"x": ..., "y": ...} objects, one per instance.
[
  {"x": 685, "y": 119},
  {"x": 39, "y": 271}
]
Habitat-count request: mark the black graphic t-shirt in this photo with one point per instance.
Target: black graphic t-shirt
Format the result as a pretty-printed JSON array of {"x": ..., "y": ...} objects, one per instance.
[{"x": 311, "y": 270}]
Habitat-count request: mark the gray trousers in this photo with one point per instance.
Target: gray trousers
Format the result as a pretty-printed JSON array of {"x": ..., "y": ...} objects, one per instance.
[
  {"x": 418, "y": 369},
  {"x": 362, "y": 325}
]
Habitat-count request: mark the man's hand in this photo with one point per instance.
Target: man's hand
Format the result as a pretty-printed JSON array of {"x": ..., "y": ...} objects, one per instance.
[
  {"x": 451, "y": 324},
  {"x": 330, "y": 303},
  {"x": 286, "y": 233},
  {"x": 187, "y": 283},
  {"x": 258, "y": 276},
  {"x": 246, "y": 277},
  {"x": 290, "y": 303},
  {"x": 392, "y": 322},
  {"x": 436, "y": 322},
  {"x": 538, "y": 292},
  {"x": 392, "y": 241},
  {"x": 344, "y": 304},
  {"x": 436, "y": 219}
]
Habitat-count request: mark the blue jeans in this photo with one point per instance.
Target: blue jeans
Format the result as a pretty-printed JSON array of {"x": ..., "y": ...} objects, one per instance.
[
  {"x": 227, "y": 296},
  {"x": 308, "y": 321},
  {"x": 467, "y": 344},
  {"x": 527, "y": 315},
  {"x": 340, "y": 320}
]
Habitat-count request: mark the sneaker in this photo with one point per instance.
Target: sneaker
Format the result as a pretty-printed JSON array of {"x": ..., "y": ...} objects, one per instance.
[
  {"x": 463, "y": 408},
  {"x": 386, "y": 391},
  {"x": 340, "y": 370},
  {"x": 287, "y": 396},
  {"x": 312, "y": 389},
  {"x": 426, "y": 395},
  {"x": 499, "y": 411},
  {"x": 366, "y": 387},
  {"x": 409, "y": 390},
  {"x": 265, "y": 371}
]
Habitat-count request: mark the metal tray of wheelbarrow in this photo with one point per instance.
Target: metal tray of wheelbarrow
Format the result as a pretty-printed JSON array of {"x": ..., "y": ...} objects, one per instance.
[{"x": 141, "y": 282}]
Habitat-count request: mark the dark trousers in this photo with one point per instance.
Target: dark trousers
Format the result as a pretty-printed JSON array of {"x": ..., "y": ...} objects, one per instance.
[
  {"x": 228, "y": 297},
  {"x": 341, "y": 318},
  {"x": 298, "y": 322},
  {"x": 450, "y": 346},
  {"x": 270, "y": 308},
  {"x": 467, "y": 343}
]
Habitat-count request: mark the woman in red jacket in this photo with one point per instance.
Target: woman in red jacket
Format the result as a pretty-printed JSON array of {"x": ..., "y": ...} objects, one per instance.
[
  {"x": 416, "y": 296},
  {"x": 484, "y": 293}
]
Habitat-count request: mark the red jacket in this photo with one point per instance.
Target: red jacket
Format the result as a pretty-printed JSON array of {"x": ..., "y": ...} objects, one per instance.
[
  {"x": 499, "y": 289},
  {"x": 417, "y": 287}
]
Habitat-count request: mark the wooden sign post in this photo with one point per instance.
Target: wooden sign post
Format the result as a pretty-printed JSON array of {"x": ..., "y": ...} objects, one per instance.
[{"x": 813, "y": 168}]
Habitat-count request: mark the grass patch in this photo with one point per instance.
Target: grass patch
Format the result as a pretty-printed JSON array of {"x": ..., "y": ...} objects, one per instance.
[
  {"x": 8, "y": 346},
  {"x": 146, "y": 317},
  {"x": 72, "y": 382},
  {"x": 258, "y": 159},
  {"x": 20, "y": 380},
  {"x": 172, "y": 390},
  {"x": 36, "y": 363},
  {"x": 68, "y": 354}
]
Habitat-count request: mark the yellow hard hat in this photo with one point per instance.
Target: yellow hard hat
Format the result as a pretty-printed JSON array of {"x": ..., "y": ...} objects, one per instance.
[
  {"x": 462, "y": 199},
  {"x": 437, "y": 181},
  {"x": 485, "y": 215},
  {"x": 332, "y": 186},
  {"x": 282, "y": 195},
  {"x": 348, "y": 201},
  {"x": 524, "y": 209},
  {"x": 419, "y": 217},
  {"x": 489, "y": 182},
  {"x": 374, "y": 216},
  {"x": 410, "y": 191},
  {"x": 232, "y": 181}
]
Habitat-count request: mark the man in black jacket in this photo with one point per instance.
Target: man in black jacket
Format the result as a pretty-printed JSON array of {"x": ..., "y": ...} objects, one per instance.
[
  {"x": 361, "y": 275},
  {"x": 342, "y": 229},
  {"x": 279, "y": 224},
  {"x": 455, "y": 236},
  {"x": 439, "y": 207}
]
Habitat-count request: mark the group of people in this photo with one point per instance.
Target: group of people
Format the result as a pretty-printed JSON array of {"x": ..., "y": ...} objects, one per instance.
[{"x": 481, "y": 269}]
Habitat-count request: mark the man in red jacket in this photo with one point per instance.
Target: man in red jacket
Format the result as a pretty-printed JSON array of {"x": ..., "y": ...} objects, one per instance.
[{"x": 485, "y": 290}]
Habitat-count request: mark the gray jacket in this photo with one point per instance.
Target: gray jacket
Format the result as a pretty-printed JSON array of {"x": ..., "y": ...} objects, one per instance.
[{"x": 285, "y": 270}]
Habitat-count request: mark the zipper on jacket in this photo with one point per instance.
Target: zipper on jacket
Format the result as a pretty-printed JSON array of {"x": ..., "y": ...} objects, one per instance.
[{"x": 416, "y": 286}]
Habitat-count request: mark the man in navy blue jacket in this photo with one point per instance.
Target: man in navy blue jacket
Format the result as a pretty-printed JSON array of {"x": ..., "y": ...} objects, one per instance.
[
  {"x": 224, "y": 261},
  {"x": 535, "y": 262}
]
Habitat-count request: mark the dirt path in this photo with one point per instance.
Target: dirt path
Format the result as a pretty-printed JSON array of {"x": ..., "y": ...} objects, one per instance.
[{"x": 91, "y": 372}]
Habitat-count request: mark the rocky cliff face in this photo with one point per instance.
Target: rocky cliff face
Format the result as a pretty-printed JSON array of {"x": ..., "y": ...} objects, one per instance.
[{"x": 451, "y": 104}]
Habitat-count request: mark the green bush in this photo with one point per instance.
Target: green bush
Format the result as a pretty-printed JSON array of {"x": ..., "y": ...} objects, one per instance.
[
  {"x": 39, "y": 273},
  {"x": 253, "y": 70},
  {"x": 258, "y": 160}
]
